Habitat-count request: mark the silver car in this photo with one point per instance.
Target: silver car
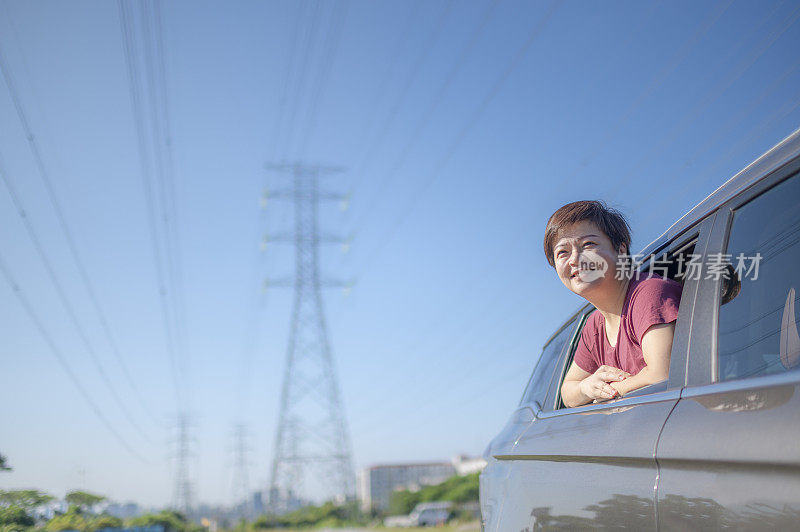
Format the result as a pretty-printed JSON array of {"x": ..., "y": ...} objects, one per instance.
[{"x": 717, "y": 445}]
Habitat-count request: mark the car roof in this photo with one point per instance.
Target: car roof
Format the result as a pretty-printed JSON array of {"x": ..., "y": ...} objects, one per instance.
[{"x": 774, "y": 158}]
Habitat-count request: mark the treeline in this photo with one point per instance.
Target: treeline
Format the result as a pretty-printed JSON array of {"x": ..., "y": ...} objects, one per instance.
[
  {"x": 327, "y": 515},
  {"x": 458, "y": 490},
  {"x": 18, "y": 512}
]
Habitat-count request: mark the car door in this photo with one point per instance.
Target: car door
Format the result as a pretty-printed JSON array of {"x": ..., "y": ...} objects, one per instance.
[
  {"x": 493, "y": 477},
  {"x": 594, "y": 466},
  {"x": 729, "y": 455}
]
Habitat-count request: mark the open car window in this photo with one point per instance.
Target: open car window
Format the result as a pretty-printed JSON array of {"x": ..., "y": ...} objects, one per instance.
[{"x": 678, "y": 263}]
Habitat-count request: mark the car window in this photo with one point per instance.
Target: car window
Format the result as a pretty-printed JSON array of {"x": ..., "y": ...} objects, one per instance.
[
  {"x": 543, "y": 373},
  {"x": 677, "y": 264},
  {"x": 757, "y": 318}
]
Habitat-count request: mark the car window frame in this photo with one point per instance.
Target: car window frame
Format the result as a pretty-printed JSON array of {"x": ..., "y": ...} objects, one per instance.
[
  {"x": 553, "y": 392},
  {"x": 567, "y": 323},
  {"x": 702, "y": 360},
  {"x": 700, "y": 232}
]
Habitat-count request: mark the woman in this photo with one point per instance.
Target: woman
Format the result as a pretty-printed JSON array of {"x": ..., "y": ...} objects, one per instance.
[{"x": 627, "y": 340}]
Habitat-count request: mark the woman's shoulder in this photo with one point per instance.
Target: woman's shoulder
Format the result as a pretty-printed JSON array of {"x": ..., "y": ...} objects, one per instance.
[
  {"x": 592, "y": 323},
  {"x": 653, "y": 289},
  {"x": 652, "y": 282}
]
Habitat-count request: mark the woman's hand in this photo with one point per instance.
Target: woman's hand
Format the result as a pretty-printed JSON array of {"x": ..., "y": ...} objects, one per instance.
[{"x": 596, "y": 386}]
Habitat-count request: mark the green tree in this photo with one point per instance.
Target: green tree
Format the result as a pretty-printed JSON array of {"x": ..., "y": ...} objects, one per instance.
[
  {"x": 456, "y": 489},
  {"x": 83, "y": 499},
  {"x": 73, "y": 519},
  {"x": 14, "y": 515},
  {"x": 402, "y": 502},
  {"x": 171, "y": 521},
  {"x": 4, "y": 464},
  {"x": 26, "y": 499},
  {"x": 326, "y": 515},
  {"x": 104, "y": 521}
]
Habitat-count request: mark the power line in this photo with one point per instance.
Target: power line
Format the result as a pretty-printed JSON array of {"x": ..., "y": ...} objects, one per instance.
[
  {"x": 331, "y": 47},
  {"x": 490, "y": 264},
  {"x": 425, "y": 50},
  {"x": 736, "y": 118},
  {"x": 62, "y": 296},
  {"x": 487, "y": 316},
  {"x": 169, "y": 175},
  {"x": 276, "y": 137},
  {"x": 676, "y": 59},
  {"x": 588, "y": 89},
  {"x": 130, "y": 47},
  {"x": 479, "y": 110},
  {"x": 62, "y": 222},
  {"x": 711, "y": 96},
  {"x": 62, "y": 360},
  {"x": 162, "y": 144},
  {"x": 252, "y": 319},
  {"x": 307, "y": 46},
  {"x": 468, "y": 328},
  {"x": 779, "y": 114},
  {"x": 426, "y": 116},
  {"x": 482, "y": 313}
]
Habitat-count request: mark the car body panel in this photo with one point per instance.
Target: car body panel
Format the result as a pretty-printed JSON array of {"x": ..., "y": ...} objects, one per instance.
[
  {"x": 729, "y": 457},
  {"x": 493, "y": 477},
  {"x": 573, "y": 466}
]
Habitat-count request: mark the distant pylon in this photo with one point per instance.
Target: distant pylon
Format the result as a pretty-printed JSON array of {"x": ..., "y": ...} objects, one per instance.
[
  {"x": 242, "y": 500},
  {"x": 182, "y": 496},
  {"x": 312, "y": 456}
]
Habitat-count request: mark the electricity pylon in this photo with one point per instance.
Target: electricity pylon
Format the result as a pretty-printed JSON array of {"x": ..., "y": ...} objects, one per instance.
[
  {"x": 312, "y": 453},
  {"x": 242, "y": 498},
  {"x": 183, "y": 494}
]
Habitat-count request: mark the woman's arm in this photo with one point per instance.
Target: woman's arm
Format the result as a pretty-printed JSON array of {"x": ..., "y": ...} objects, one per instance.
[
  {"x": 656, "y": 348},
  {"x": 581, "y": 387}
]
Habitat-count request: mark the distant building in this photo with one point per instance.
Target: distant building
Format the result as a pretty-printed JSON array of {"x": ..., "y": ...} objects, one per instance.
[
  {"x": 376, "y": 484},
  {"x": 466, "y": 465},
  {"x": 280, "y": 503},
  {"x": 258, "y": 503},
  {"x": 123, "y": 511}
]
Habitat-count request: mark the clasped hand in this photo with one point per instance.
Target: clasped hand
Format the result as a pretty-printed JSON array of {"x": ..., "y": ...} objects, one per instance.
[{"x": 597, "y": 386}]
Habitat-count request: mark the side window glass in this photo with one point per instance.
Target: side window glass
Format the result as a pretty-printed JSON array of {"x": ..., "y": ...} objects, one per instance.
[
  {"x": 543, "y": 373},
  {"x": 757, "y": 318}
]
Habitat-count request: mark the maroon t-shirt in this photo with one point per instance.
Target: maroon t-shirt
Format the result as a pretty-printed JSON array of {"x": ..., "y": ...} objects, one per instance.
[{"x": 650, "y": 300}]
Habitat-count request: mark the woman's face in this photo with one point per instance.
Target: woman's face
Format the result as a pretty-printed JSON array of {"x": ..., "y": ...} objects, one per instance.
[{"x": 585, "y": 259}]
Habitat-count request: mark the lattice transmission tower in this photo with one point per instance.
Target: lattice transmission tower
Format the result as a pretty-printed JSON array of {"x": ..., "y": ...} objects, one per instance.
[
  {"x": 183, "y": 492},
  {"x": 312, "y": 454},
  {"x": 242, "y": 498}
]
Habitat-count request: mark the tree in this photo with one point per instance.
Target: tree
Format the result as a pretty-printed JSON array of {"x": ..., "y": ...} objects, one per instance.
[
  {"x": 171, "y": 521},
  {"x": 402, "y": 502},
  {"x": 72, "y": 520},
  {"x": 25, "y": 499},
  {"x": 4, "y": 464},
  {"x": 16, "y": 508},
  {"x": 83, "y": 500},
  {"x": 14, "y": 515},
  {"x": 104, "y": 521}
]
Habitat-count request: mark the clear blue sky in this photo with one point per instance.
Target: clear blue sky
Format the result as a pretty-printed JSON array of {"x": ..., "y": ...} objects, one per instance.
[{"x": 461, "y": 127}]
